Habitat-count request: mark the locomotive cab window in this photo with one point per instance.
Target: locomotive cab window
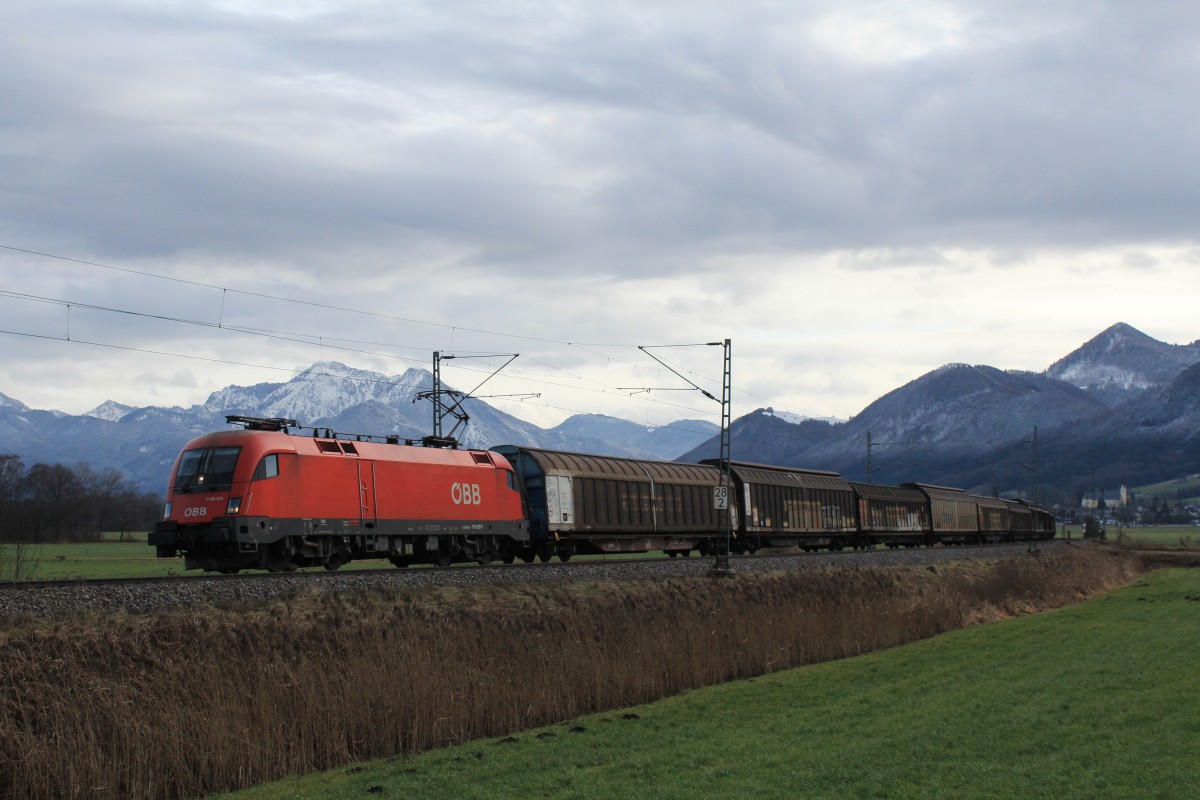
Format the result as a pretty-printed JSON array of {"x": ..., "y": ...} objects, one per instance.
[
  {"x": 206, "y": 469},
  {"x": 267, "y": 468}
]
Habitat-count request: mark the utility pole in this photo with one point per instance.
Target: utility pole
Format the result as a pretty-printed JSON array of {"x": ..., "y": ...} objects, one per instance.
[
  {"x": 870, "y": 472},
  {"x": 437, "y": 393},
  {"x": 721, "y": 564},
  {"x": 455, "y": 409},
  {"x": 722, "y": 501},
  {"x": 1035, "y": 465}
]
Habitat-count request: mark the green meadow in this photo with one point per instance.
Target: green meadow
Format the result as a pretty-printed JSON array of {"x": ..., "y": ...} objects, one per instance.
[
  {"x": 1097, "y": 700},
  {"x": 1166, "y": 537},
  {"x": 128, "y": 556},
  {"x": 110, "y": 559}
]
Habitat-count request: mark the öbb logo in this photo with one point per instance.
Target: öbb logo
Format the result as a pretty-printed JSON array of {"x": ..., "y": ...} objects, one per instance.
[
  {"x": 200, "y": 511},
  {"x": 465, "y": 494}
]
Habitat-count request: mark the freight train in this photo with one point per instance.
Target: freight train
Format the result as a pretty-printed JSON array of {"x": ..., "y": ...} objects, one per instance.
[{"x": 274, "y": 495}]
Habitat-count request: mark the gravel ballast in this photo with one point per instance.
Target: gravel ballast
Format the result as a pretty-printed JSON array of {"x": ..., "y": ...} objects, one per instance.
[{"x": 231, "y": 590}]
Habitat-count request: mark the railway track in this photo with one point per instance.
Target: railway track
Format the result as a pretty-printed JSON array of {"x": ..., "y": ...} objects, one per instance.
[{"x": 142, "y": 595}]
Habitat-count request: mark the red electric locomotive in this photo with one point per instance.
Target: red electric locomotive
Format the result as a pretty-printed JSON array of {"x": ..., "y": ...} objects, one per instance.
[{"x": 265, "y": 498}]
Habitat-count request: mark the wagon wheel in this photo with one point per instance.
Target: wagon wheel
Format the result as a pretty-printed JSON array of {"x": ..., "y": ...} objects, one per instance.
[{"x": 443, "y": 558}]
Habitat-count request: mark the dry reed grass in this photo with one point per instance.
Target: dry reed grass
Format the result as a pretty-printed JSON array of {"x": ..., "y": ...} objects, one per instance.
[{"x": 184, "y": 704}]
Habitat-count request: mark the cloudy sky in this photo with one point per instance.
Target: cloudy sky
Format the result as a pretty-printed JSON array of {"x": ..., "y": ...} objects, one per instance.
[{"x": 194, "y": 194}]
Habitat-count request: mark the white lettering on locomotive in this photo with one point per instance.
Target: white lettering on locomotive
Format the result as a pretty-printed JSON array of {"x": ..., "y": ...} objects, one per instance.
[
  {"x": 465, "y": 494},
  {"x": 200, "y": 511}
]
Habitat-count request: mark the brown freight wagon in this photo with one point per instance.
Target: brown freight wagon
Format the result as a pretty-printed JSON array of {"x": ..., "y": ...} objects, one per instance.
[
  {"x": 953, "y": 514},
  {"x": 995, "y": 518},
  {"x": 1022, "y": 520},
  {"x": 602, "y": 504},
  {"x": 892, "y": 515},
  {"x": 787, "y": 507}
]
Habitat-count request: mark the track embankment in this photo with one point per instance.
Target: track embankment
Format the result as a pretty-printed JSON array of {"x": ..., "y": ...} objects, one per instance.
[
  {"x": 147, "y": 595},
  {"x": 191, "y": 701}
]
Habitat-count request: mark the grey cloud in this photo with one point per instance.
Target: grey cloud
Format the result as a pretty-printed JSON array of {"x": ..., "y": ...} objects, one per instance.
[{"x": 620, "y": 139}]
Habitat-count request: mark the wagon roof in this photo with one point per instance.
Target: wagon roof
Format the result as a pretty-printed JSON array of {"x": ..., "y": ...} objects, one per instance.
[
  {"x": 872, "y": 491},
  {"x": 939, "y": 492},
  {"x": 990, "y": 502},
  {"x": 765, "y": 474},
  {"x": 593, "y": 466}
]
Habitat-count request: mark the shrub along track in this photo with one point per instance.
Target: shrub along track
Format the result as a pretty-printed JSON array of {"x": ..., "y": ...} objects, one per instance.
[{"x": 187, "y": 702}]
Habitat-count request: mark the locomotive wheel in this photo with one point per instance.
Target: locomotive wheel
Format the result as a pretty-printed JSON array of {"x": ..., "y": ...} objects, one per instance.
[
  {"x": 528, "y": 559},
  {"x": 508, "y": 558},
  {"x": 229, "y": 570},
  {"x": 276, "y": 565},
  {"x": 443, "y": 558},
  {"x": 564, "y": 557}
]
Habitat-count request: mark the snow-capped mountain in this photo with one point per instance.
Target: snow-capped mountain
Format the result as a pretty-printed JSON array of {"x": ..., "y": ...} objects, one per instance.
[
  {"x": 796, "y": 419},
  {"x": 109, "y": 410},
  {"x": 970, "y": 426},
  {"x": 322, "y": 391},
  {"x": 974, "y": 426},
  {"x": 960, "y": 405},
  {"x": 143, "y": 442},
  {"x": 763, "y": 437},
  {"x": 1121, "y": 362},
  {"x": 10, "y": 404}
]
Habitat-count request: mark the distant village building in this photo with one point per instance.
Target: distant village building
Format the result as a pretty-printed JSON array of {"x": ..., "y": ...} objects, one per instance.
[{"x": 1091, "y": 502}]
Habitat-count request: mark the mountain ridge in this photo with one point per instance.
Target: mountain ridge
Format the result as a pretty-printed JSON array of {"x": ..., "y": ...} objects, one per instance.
[
  {"x": 143, "y": 442},
  {"x": 1121, "y": 362},
  {"x": 1131, "y": 407},
  {"x": 978, "y": 427}
]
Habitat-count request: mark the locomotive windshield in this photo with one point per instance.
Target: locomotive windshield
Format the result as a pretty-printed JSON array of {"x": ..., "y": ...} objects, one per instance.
[{"x": 208, "y": 469}]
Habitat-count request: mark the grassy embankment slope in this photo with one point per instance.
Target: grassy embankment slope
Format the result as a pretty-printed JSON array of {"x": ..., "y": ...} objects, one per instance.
[
  {"x": 182, "y": 703},
  {"x": 1093, "y": 701}
]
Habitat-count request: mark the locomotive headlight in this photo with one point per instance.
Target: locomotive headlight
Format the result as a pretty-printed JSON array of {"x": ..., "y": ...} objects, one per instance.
[
  {"x": 167, "y": 510},
  {"x": 235, "y": 505}
]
